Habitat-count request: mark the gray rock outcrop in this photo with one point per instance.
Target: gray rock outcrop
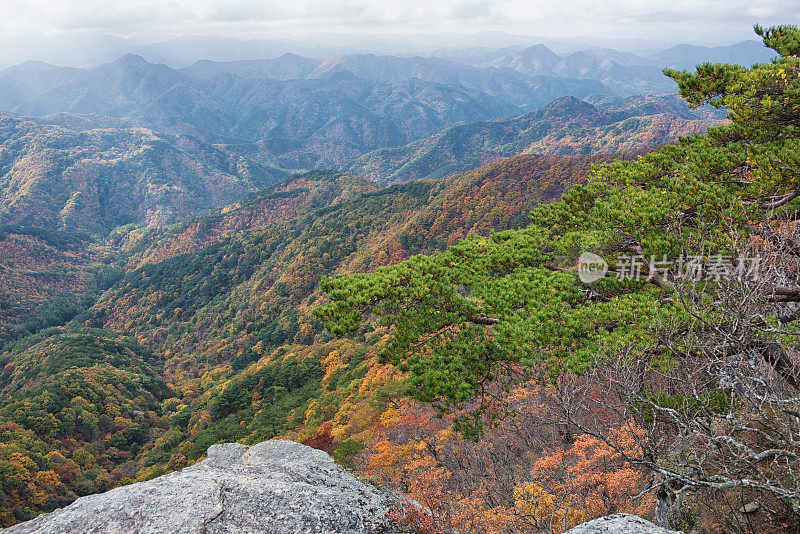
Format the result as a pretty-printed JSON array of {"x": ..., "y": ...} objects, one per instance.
[
  {"x": 620, "y": 524},
  {"x": 273, "y": 487}
]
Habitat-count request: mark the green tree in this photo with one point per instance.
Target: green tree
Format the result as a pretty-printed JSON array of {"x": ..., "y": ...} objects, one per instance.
[{"x": 467, "y": 316}]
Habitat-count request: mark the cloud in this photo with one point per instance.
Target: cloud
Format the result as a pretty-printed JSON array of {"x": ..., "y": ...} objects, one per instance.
[{"x": 654, "y": 18}]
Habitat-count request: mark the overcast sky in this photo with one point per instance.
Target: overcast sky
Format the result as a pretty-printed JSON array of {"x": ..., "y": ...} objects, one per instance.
[{"x": 700, "y": 19}]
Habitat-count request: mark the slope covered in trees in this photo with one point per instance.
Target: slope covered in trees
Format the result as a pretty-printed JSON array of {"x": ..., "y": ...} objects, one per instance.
[
  {"x": 292, "y": 198},
  {"x": 681, "y": 363},
  {"x": 48, "y": 271},
  {"x": 527, "y": 92},
  {"x": 566, "y": 126},
  {"x": 96, "y": 180},
  {"x": 75, "y": 410},
  {"x": 264, "y": 273}
]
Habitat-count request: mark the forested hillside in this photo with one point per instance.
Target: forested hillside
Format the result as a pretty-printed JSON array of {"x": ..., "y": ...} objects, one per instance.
[
  {"x": 47, "y": 277},
  {"x": 96, "y": 180},
  {"x": 256, "y": 280},
  {"x": 76, "y": 408},
  {"x": 566, "y": 126},
  {"x": 219, "y": 307}
]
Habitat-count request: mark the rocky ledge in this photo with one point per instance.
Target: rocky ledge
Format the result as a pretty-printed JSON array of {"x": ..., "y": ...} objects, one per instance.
[
  {"x": 620, "y": 524},
  {"x": 274, "y": 487}
]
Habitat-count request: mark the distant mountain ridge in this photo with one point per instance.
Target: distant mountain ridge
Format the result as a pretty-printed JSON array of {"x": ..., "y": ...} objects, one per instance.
[
  {"x": 626, "y": 73},
  {"x": 297, "y": 113},
  {"x": 685, "y": 56},
  {"x": 286, "y": 67},
  {"x": 566, "y": 126},
  {"x": 623, "y": 79},
  {"x": 87, "y": 49},
  {"x": 523, "y": 90},
  {"x": 292, "y": 198},
  {"x": 299, "y": 124}
]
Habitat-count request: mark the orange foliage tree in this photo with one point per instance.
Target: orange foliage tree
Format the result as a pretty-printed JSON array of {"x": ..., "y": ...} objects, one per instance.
[{"x": 591, "y": 478}]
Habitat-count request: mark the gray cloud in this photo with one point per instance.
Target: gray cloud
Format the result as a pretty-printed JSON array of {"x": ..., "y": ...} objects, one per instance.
[{"x": 709, "y": 19}]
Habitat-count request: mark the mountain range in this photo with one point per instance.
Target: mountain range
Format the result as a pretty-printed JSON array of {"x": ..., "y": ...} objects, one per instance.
[
  {"x": 293, "y": 124},
  {"x": 295, "y": 113},
  {"x": 566, "y": 126},
  {"x": 76, "y": 173}
]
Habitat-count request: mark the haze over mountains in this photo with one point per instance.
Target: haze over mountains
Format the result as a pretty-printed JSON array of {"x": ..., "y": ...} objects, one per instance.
[
  {"x": 297, "y": 122},
  {"x": 294, "y": 113},
  {"x": 91, "y": 49},
  {"x": 527, "y": 78}
]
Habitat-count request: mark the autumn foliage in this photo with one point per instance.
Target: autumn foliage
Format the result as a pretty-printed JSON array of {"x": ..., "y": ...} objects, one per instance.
[
  {"x": 590, "y": 479},
  {"x": 519, "y": 476}
]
